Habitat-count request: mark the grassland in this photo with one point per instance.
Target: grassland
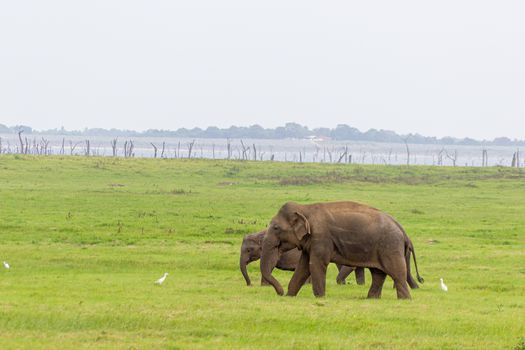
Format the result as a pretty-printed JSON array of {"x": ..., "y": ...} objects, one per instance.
[{"x": 86, "y": 238}]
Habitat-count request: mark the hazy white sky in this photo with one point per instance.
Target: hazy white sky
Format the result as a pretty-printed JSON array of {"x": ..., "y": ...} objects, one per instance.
[{"x": 438, "y": 68}]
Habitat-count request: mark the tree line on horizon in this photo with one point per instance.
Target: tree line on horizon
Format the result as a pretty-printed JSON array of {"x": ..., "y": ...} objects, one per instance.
[{"x": 342, "y": 132}]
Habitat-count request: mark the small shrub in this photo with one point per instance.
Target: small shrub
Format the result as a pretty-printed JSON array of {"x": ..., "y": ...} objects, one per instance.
[
  {"x": 233, "y": 171},
  {"x": 180, "y": 191},
  {"x": 520, "y": 345}
]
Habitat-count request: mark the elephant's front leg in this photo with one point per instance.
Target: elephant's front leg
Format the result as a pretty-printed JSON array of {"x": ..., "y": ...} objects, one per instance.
[
  {"x": 300, "y": 275},
  {"x": 265, "y": 282},
  {"x": 318, "y": 271},
  {"x": 318, "y": 265}
]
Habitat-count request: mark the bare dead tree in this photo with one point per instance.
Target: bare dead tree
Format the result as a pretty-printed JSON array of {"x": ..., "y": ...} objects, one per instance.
[
  {"x": 254, "y": 152},
  {"x": 453, "y": 157},
  {"x": 21, "y": 142},
  {"x": 177, "y": 153},
  {"x": 329, "y": 154},
  {"x": 190, "y": 148},
  {"x": 44, "y": 145},
  {"x": 163, "y": 149},
  {"x": 484, "y": 158},
  {"x": 114, "y": 147},
  {"x": 62, "y": 148},
  {"x": 213, "y": 151},
  {"x": 72, "y": 147},
  {"x": 341, "y": 157},
  {"x": 1, "y": 149},
  {"x": 244, "y": 151},
  {"x": 128, "y": 148},
  {"x": 229, "y": 148},
  {"x": 261, "y": 156},
  {"x": 344, "y": 154},
  {"x": 88, "y": 148},
  {"x": 405, "y": 140},
  {"x": 131, "y": 147},
  {"x": 155, "y": 149}
]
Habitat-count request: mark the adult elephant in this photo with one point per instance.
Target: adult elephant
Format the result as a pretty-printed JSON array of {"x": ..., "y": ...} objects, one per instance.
[
  {"x": 346, "y": 233},
  {"x": 287, "y": 260}
]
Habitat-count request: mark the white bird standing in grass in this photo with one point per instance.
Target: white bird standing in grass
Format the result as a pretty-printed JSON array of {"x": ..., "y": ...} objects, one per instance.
[
  {"x": 6, "y": 265},
  {"x": 161, "y": 280},
  {"x": 444, "y": 287}
]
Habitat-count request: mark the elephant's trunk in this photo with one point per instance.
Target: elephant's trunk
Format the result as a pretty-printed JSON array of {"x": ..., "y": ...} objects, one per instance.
[
  {"x": 269, "y": 258},
  {"x": 242, "y": 263}
]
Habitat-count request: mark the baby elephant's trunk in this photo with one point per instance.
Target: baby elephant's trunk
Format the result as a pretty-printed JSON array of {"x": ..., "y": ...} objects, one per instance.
[{"x": 242, "y": 263}]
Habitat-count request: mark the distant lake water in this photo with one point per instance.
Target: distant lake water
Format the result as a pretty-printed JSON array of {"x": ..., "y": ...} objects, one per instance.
[{"x": 292, "y": 150}]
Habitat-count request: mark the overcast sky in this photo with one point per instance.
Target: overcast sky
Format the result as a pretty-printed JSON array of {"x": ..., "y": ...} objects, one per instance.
[{"x": 437, "y": 68}]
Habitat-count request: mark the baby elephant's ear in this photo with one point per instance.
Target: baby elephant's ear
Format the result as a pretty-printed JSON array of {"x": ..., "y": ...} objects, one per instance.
[
  {"x": 301, "y": 226},
  {"x": 260, "y": 238}
]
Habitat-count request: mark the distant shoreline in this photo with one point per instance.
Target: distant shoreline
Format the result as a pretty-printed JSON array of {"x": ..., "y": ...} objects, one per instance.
[{"x": 288, "y": 131}]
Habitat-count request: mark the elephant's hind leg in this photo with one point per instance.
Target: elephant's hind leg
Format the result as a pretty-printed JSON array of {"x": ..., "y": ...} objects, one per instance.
[
  {"x": 378, "y": 278},
  {"x": 396, "y": 268},
  {"x": 402, "y": 288}
]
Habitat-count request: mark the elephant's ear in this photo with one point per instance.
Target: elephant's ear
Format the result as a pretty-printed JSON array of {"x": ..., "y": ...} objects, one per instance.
[{"x": 301, "y": 226}]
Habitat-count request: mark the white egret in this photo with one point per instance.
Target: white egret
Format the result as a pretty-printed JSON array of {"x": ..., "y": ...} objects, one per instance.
[
  {"x": 6, "y": 265},
  {"x": 444, "y": 287},
  {"x": 161, "y": 280}
]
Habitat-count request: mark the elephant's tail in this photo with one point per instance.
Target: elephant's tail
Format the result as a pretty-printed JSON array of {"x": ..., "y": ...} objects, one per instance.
[{"x": 419, "y": 278}]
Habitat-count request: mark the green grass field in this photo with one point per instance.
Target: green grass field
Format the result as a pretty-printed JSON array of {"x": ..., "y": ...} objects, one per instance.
[{"x": 87, "y": 237}]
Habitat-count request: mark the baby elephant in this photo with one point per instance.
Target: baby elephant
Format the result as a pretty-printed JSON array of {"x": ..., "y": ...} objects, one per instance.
[{"x": 251, "y": 251}]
